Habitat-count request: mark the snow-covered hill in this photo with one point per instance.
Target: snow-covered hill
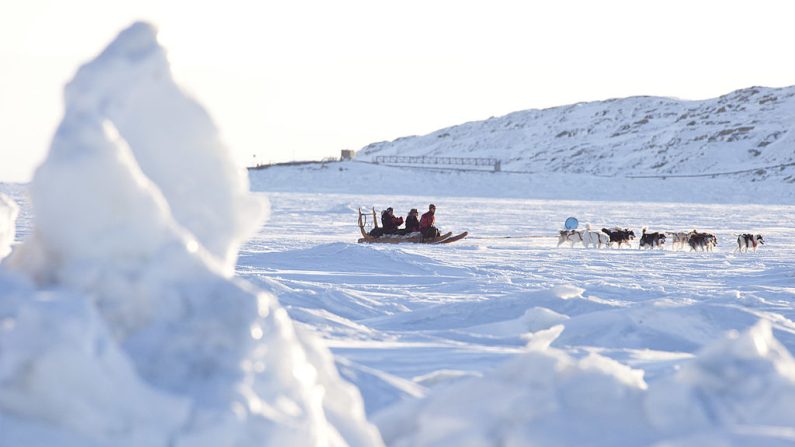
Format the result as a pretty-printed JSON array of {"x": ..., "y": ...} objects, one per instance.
[{"x": 746, "y": 129}]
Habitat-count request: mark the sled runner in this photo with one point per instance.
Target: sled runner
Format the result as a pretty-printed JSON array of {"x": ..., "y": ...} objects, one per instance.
[
  {"x": 415, "y": 237},
  {"x": 457, "y": 237}
]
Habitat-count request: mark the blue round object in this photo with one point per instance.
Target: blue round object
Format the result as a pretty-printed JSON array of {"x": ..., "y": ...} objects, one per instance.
[{"x": 571, "y": 223}]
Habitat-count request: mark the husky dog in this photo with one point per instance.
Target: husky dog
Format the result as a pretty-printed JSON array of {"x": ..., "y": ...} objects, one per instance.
[
  {"x": 594, "y": 238},
  {"x": 619, "y": 236},
  {"x": 678, "y": 239},
  {"x": 651, "y": 240},
  {"x": 747, "y": 240},
  {"x": 570, "y": 236},
  {"x": 701, "y": 241}
]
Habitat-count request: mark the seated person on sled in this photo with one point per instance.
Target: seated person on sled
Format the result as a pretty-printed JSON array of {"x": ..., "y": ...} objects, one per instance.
[
  {"x": 390, "y": 222},
  {"x": 427, "y": 223},
  {"x": 412, "y": 223}
]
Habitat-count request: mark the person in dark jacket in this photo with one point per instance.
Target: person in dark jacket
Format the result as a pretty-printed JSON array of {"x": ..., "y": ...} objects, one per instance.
[
  {"x": 412, "y": 223},
  {"x": 390, "y": 222},
  {"x": 427, "y": 222}
]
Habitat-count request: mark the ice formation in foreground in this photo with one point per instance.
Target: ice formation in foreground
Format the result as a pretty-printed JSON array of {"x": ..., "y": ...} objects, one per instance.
[
  {"x": 8, "y": 216},
  {"x": 172, "y": 138},
  {"x": 119, "y": 323}
]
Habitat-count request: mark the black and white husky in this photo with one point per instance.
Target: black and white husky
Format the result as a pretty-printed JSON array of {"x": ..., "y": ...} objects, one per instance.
[
  {"x": 619, "y": 236},
  {"x": 651, "y": 240},
  {"x": 701, "y": 241},
  {"x": 747, "y": 240}
]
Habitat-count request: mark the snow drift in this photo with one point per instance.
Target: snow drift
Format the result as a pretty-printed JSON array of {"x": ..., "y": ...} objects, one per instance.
[
  {"x": 546, "y": 397},
  {"x": 119, "y": 322}
]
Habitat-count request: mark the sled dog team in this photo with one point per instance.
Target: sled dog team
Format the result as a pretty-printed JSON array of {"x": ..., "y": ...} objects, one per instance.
[
  {"x": 697, "y": 241},
  {"x": 622, "y": 236}
]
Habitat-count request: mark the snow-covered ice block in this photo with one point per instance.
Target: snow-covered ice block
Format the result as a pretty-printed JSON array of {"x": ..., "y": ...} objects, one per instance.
[
  {"x": 8, "y": 218},
  {"x": 173, "y": 139},
  {"x": 124, "y": 285}
]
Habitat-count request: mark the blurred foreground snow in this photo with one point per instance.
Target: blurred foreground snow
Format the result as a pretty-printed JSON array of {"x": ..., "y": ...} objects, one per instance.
[{"x": 121, "y": 324}]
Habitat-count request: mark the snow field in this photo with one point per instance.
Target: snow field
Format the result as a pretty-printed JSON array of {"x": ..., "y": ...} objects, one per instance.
[
  {"x": 357, "y": 177},
  {"x": 416, "y": 327}
]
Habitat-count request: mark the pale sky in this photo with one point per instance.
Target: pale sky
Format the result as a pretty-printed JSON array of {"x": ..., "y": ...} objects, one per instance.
[{"x": 303, "y": 79}]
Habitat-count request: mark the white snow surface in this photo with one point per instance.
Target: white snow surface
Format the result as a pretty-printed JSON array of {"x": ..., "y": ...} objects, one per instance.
[
  {"x": 119, "y": 322},
  {"x": 548, "y": 398},
  {"x": 504, "y": 339},
  {"x": 358, "y": 177}
]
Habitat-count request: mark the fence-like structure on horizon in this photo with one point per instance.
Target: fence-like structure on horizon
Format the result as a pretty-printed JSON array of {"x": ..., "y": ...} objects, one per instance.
[{"x": 441, "y": 162}]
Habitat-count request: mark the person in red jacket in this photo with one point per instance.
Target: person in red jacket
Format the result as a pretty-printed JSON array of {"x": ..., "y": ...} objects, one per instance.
[
  {"x": 427, "y": 222},
  {"x": 390, "y": 222}
]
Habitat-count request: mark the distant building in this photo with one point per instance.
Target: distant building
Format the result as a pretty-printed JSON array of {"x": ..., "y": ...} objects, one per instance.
[{"x": 347, "y": 154}]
